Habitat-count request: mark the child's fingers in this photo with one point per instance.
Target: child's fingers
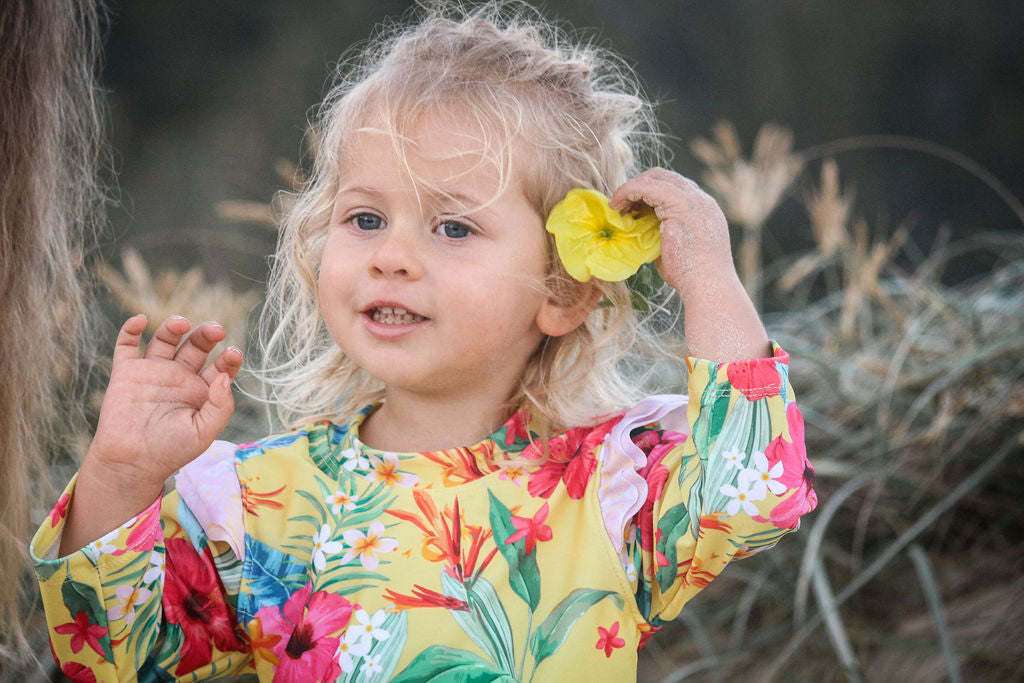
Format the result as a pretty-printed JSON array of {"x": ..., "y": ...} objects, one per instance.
[
  {"x": 198, "y": 345},
  {"x": 229, "y": 362},
  {"x": 215, "y": 413},
  {"x": 164, "y": 343},
  {"x": 654, "y": 187},
  {"x": 129, "y": 337}
]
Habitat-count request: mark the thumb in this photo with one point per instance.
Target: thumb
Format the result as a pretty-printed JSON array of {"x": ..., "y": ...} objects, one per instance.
[{"x": 213, "y": 416}]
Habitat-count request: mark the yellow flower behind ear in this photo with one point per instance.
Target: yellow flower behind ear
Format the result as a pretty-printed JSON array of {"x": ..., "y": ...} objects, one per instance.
[{"x": 595, "y": 240}]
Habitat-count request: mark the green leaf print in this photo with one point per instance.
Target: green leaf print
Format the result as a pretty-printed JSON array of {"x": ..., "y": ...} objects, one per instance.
[
  {"x": 672, "y": 525},
  {"x": 81, "y": 597},
  {"x": 714, "y": 406},
  {"x": 523, "y": 575},
  {"x": 550, "y": 635},
  {"x": 485, "y": 623},
  {"x": 442, "y": 664}
]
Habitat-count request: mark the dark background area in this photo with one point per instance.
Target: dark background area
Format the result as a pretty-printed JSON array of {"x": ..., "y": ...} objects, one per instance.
[{"x": 206, "y": 96}]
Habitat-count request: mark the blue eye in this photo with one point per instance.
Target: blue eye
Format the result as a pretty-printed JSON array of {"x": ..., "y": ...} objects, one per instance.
[
  {"x": 368, "y": 221},
  {"x": 454, "y": 230}
]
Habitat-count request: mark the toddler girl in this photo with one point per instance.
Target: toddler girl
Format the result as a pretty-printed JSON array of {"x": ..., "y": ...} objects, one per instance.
[{"x": 475, "y": 490}]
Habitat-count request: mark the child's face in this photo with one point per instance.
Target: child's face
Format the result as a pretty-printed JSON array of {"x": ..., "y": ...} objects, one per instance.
[{"x": 425, "y": 290}]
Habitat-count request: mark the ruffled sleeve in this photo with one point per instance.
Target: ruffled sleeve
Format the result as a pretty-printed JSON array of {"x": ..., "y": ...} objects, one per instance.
[
  {"x": 731, "y": 481},
  {"x": 154, "y": 598}
]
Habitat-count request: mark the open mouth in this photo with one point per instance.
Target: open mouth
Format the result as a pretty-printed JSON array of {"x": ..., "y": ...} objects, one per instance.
[{"x": 393, "y": 315}]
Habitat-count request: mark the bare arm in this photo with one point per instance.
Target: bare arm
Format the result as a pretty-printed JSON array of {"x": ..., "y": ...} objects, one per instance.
[
  {"x": 162, "y": 409},
  {"x": 720, "y": 321}
]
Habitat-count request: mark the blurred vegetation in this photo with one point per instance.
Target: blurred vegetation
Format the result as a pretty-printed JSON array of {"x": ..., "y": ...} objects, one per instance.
[{"x": 892, "y": 269}]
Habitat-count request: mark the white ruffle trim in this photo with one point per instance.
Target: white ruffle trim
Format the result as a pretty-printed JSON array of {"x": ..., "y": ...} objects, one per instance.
[
  {"x": 622, "y": 491},
  {"x": 210, "y": 488}
]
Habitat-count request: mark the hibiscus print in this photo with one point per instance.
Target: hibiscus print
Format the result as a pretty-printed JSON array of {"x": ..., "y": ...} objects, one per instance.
[
  {"x": 309, "y": 625},
  {"x": 194, "y": 600}
]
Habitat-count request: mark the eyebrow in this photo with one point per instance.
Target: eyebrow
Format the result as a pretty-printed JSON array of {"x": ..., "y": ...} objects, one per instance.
[{"x": 473, "y": 204}]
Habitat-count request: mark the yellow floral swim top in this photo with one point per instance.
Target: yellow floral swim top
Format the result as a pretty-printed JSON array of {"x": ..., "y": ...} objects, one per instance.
[{"x": 313, "y": 557}]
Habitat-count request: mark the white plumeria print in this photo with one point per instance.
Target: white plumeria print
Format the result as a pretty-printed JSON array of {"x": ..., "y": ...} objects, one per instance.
[
  {"x": 366, "y": 546},
  {"x": 384, "y": 470},
  {"x": 339, "y": 500},
  {"x": 157, "y": 570},
  {"x": 734, "y": 458},
  {"x": 351, "y": 645},
  {"x": 128, "y": 598},
  {"x": 760, "y": 479},
  {"x": 739, "y": 498},
  {"x": 371, "y": 665},
  {"x": 322, "y": 544},
  {"x": 352, "y": 459},
  {"x": 102, "y": 545},
  {"x": 369, "y": 626}
]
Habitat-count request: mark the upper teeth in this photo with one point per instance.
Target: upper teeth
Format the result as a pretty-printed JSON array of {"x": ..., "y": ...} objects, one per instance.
[{"x": 394, "y": 315}]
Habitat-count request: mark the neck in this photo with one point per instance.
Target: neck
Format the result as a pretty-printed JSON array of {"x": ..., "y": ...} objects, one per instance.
[{"x": 411, "y": 422}]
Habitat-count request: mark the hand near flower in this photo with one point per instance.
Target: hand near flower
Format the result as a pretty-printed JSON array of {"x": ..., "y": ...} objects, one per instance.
[
  {"x": 162, "y": 409},
  {"x": 696, "y": 260}
]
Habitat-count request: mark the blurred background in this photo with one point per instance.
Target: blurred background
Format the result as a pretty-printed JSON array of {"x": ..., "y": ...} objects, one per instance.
[{"x": 868, "y": 156}]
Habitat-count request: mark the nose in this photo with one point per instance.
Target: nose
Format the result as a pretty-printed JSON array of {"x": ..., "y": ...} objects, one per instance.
[{"x": 395, "y": 256}]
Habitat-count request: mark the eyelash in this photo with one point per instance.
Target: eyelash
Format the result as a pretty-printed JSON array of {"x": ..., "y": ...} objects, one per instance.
[{"x": 357, "y": 221}]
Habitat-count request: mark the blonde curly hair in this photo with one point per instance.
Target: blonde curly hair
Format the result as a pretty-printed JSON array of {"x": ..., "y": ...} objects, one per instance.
[{"x": 584, "y": 122}]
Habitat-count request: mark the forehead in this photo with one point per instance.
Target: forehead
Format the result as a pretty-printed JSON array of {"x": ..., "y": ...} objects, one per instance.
[{"x": 433, "y": 153}]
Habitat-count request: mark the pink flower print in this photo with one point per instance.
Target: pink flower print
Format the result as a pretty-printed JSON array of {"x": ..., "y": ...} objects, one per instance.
[
  {"x": 322, "y": 544},
  {"x": 128, "y": 598},
  {"x": 83, "y": 633},
  {"x": 367, "y": 546},
  {"x": 533, "y": 529},
  {"x": 756, "y": 379},
  {"x": 309, "y": 625},
  {"x": 512, "y": 473},
  {"x": 609, "y": 640},
  {"x": 385, "y": 471},
  {"x": 797, "y": 474},
  {"x": 60, "y": 510}
]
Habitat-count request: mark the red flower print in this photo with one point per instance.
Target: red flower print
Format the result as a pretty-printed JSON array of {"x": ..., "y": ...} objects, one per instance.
[
  {"x": 82, "y": 633},
  {"x": 309, "y": 625},
  {"x": 570, "y": 459},
  {"x": 797, "y": 473},
  {"x": 194, "y": 599},
  {"x": 252, "y": 500},
  {"x": 424, "y": 597},
  {"x": 515, "y": 428},
  {"x": 533, "y": 529},
  {"x": 60, "y": 510},
  {"x": 656, "y": 475},
  {"x": 645, "y": 635},
  {"x": 756, "y": 379},
  {"x": 608, "y": 639},
  {"x": 78, "y": 673}
]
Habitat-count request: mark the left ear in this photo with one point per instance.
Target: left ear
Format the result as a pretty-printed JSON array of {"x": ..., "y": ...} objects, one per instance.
[{"x": 555, "y": 319}]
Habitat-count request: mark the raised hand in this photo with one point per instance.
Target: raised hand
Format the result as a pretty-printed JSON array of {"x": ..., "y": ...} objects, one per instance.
[
  {"x": 162, "y": 409},
  {"x": 696, "y": 259},
  {"x": 694, "y": 231}
]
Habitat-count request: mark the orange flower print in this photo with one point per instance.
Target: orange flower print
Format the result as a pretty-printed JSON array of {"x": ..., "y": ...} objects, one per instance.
[
  {"x": 251, "y": 500},
  {"x": 608, "y": 639},
  {"x": 424, "y": 597}
]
